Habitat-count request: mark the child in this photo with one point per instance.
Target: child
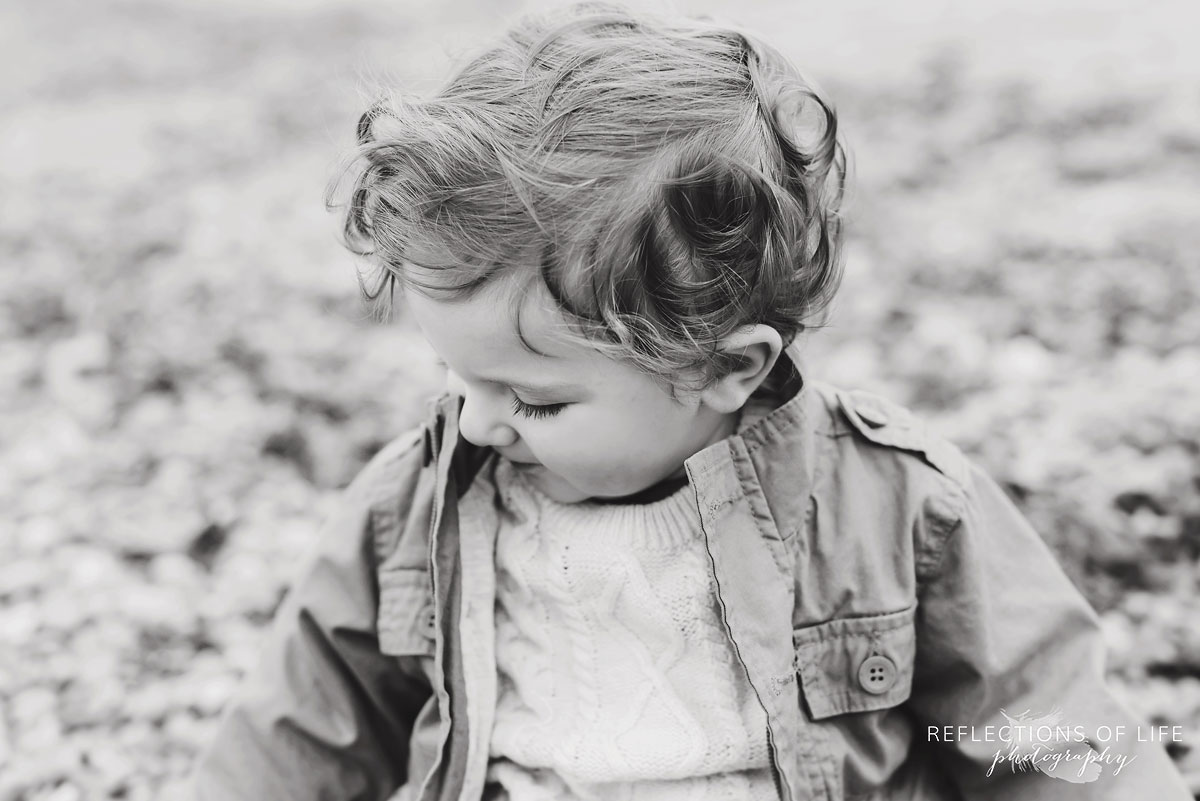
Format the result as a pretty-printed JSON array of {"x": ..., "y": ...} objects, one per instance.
[{"x": 634, "y": 553}]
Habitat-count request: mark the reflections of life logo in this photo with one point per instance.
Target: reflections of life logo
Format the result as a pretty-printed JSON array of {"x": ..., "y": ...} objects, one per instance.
[{"x": 1042, "y": 743}]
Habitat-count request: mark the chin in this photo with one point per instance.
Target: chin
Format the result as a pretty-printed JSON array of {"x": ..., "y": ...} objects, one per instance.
[
  {"x": 558, "y": 487},
  {"x": 564, "y": 491}
]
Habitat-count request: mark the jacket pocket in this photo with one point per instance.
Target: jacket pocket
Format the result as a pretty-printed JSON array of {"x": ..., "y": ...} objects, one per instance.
[
  {"x": 856, "y": 664},
  {"x": 406, "y": 622}
]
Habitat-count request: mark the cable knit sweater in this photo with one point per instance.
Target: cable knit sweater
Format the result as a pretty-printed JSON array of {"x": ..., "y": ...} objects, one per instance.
[{"x": 616, "y": 677}]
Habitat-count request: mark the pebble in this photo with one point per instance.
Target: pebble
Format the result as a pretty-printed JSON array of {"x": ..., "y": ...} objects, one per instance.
[
  {"x": 75, "y": 373},
  {"x": 39, "y": 768},
  {"x": 23, "y": 576},
  {"x": 112, "y": 763},
  {"x": 101, "y": 644},
  {"x": 44, "y": 734},
  {"x": 32, "y": 704},
  {"x": 65, "y": 792},
  {"x": 90, "y": 566},
  {"x": 39, "y": 534},
  {"x": 48, "y": 448},
  {"x": 1119, "y": 636},
  {"x": 153, "y": 702},
  {"x": 18, "y": 622},
  {"x": 1138, "y": 605},
  {"x": 240, "y": 642},
  {"x": 151, "y": 414},
  {"x": 5, "y": 748},
  {"x": 1145, "y": 524},
  {"x": 95, "y": 699},
  {"x": 19, "y": 364},
  {"x": 142, "y": 523},
  {"x": 1023, "y": 360},
  {"x": 242, "y": 581},
  {"x": 63, "y": 610},
  {"x": 176, "y": 570},
  {"x": 136, "y": 736},
  {"x": 1102, "y": 156},
  {"x": 212, "y": 692},
  {"x": 174, "y": 790},
  {"x": 140, "y": 792},
  {"x": 183, "y": 728},
  {"x": 157, "y": 607}
]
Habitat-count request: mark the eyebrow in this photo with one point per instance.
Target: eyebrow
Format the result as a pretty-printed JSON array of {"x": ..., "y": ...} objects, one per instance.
[
  {"x": 556, "y": 387},
  {"x": 553, "y": 387}
]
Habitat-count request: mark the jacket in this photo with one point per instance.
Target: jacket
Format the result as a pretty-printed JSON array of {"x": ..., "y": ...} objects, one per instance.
[{"x": 888, "y": 603}]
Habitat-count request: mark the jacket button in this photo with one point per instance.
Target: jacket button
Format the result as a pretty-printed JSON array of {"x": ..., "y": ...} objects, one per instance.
[
  {"x": 427, "y": 622},
  {"x": 877, "y": 674}
]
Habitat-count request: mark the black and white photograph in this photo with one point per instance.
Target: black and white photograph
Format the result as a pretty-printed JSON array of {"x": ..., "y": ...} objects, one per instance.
[{"x": 586, "y": 400}]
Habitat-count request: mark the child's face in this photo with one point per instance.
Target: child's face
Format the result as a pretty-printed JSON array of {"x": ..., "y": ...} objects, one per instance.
[{"x": 586, "y": 425}]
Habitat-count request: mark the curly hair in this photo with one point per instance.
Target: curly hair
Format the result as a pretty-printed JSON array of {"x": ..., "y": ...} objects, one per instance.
[{"x": 676, "y": 180}]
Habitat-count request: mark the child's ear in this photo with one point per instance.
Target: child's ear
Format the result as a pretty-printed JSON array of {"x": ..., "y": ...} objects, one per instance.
[{"x": 757, "y": 347}]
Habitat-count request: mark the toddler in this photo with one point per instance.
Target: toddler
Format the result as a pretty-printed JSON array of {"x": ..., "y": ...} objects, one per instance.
[{"x": 635, "y": 552}]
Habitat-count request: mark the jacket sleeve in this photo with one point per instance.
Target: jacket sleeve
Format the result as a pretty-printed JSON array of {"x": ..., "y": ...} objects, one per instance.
[
  {"x": 325, "y": 715},
  {"x": 1001, "y": 631}
]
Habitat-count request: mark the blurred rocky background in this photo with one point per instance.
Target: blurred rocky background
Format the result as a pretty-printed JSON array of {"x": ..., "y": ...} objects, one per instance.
[{"x": 188, "y": 375}]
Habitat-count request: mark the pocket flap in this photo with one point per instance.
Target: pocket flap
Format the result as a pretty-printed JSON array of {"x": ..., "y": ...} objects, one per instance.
[
  {"x": 406, "y": 621},
  {"x": 856, "y": 664}
]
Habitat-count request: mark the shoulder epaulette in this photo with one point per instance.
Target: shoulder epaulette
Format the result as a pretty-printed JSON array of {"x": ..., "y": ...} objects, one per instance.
[{"x": 891, "y": 425}]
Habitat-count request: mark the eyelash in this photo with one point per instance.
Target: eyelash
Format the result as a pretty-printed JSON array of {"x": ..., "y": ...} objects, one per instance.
[
  {"x": 537, "y": 412},
  {"x": 526, "y": 409}
]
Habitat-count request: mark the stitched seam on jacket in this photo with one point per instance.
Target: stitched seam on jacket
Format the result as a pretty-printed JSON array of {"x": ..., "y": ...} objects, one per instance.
[
  {"x": 385, "y": 496},
  {"x": 823, "y": 632},
  {"x": 755, "y": 434},
  {"x": 760, "y": 511},
  {"x": 940, "y": 529}
]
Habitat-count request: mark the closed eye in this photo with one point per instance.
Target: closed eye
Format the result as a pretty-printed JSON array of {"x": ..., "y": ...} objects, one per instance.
[{"x": 534, "y": 411}]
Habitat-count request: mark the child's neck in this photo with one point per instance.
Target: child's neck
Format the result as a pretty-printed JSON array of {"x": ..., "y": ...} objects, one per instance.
[{"x": 656, "y": 492}]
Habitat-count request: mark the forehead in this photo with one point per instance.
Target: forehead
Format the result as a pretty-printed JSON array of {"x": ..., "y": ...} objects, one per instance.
[{"x": 504, "y": 327}]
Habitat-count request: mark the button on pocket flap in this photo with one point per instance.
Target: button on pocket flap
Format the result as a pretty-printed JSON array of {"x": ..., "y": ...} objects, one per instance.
[
  {"x": 406, "y": 614},
  {"x": 856, "y": 664}
]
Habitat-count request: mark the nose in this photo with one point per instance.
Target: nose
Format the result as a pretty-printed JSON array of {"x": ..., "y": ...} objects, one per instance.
[{"x": 482, "y": 418}]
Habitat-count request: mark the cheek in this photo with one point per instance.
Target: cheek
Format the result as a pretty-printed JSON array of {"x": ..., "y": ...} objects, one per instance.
[
  {"x": 592, "y": 448},
  {"x": 628, "y": 449},
  {"x": 589, "y": 452},
  {"x": 627, "y": 438}
]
